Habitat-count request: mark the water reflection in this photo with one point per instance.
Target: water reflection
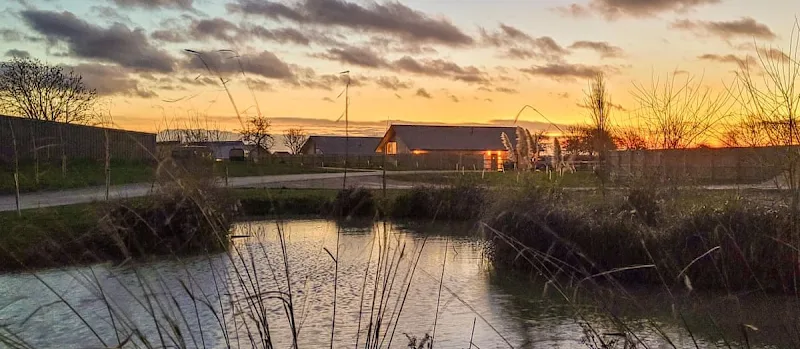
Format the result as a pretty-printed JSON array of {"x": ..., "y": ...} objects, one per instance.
[{"x": 212, "y": 301}]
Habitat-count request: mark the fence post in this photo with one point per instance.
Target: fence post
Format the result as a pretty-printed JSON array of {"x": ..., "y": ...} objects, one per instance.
[
  {"x": 107, "y": 164},
  {"x": 16, "y": 166}
]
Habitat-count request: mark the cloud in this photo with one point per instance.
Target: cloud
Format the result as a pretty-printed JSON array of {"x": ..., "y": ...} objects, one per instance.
[
  {"x": 423, "y": 93},
  {"x": 215, "y": 28},
  {"x": 155, "y": 4},
  {"x": 269, "y": 9},
  {"x": 519, "y": 45},
  {"x": 388, "y": 45},
  {"x": 392, "y": 18},
  {"x": 109, "y": 80},
  {"x": 573, "y": 10},
  {"x": 440, "y": 68},
  {"x": 258, "y": 84},
  {"x": 306, "y": 77},
  {"x": 17, "y": 53},
  {"x": 398, "y": 96},
  {"x": 328, "y": 99},
  {"x": 10, "y": 34},
  {"x": 109, "y": 13},
  {"x": 115, "y": 44},
  {"x": 168, "y": 35},
  {"x": 613, "y": 9},
  {"x": 265, "y": 64},
  {"x": 393, "y": 83},
  {"x": 506, "y": 90},
  {"x": 605, "y": 49},
  {"x": 351, "y": 55},
  {"x": 285, "y": 35},
  {"x": 774, "y": 54},
  {"x": 743, "y": 27},
  {"x": 561, "y": 95},
  {"x": 199, "y": 80},
  {"x": 561, "y": 72},
  {"x": 179, "y": 30},
  {"x": 729, "y": 58},
  {"x": 454, "y": 99}
]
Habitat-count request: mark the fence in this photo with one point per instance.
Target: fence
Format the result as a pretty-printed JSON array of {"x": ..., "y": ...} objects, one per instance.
[
  {"x": 429, "y": 161},
  {"x": 713, "y": 165},
  {"x": 48, "y": 141}
]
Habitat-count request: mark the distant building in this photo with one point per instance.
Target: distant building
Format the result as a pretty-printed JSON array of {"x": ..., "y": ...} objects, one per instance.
[
  {"x": 223, "y": 150},
  {"x": 465, "y": 140},
  {"x": 336, "y": 145}
]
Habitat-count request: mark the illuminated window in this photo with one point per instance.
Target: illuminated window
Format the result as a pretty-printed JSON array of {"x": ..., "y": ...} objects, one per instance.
[{"x": 391, "y": 148}]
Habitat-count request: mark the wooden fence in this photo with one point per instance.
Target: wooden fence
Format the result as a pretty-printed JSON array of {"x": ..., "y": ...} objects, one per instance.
[
  {"x": 429, "y": 161},
  {"x": 48, "y": 141},
  {"x": 714, "y": 165}
]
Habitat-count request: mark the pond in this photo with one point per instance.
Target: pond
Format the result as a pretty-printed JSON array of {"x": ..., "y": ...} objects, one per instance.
[{"x": 384, "y": 289}]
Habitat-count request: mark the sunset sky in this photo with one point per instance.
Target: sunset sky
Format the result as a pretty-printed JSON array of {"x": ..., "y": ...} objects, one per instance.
[{"x": 447, "y": 61}]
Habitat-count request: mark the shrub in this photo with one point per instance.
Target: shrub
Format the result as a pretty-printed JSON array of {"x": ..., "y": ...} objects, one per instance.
[
  {"x": 738, "y": 246},
  {"x": 744, "y": 246},
  {"x": 176, "y": 220},
  {"x": 353, "y": 202},
  {"x": 459, "y": 202},
  {"x": 645, "y": 203},
  {"x": 416, "y": 202}
]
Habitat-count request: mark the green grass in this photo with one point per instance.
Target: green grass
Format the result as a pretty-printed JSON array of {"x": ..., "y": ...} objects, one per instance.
[
  {"x": 79, "y": 174},
  {"x": 82, "y": 174},
  {"x": 247, "y": 169},
  {"x": 501, "y": 179}
]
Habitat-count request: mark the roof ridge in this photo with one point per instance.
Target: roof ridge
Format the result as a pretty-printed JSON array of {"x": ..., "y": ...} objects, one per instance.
[{"x": 483, "y": 126}]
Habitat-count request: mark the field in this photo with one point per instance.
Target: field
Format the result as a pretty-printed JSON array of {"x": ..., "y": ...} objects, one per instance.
[{"x": 83, "y": 174}]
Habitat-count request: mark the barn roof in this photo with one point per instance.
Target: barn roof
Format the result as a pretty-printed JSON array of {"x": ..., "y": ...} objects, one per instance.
[
  {"x": 460, "y": 138},
  {"x": 336, "y": 145}
]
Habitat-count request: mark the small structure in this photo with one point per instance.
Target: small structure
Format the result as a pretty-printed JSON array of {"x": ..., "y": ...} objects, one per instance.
[
  {"x": 225, "y": 150},
  {"x": 461, "y": 140},
  {"x": 337, "y": 145}
]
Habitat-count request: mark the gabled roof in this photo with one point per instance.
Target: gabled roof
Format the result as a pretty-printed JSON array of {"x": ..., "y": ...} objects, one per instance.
[
  {"x": 336, "y": 145},
  {"x": 460, "y": 138},
  {"x": 219, "y": 143}
]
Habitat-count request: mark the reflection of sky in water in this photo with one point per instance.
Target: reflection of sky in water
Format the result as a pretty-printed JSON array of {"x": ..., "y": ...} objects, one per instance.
[{"x": 510, "y": 313}]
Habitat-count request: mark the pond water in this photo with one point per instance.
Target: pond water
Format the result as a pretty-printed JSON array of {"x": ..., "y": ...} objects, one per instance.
[{"x": 240, "y": 299}]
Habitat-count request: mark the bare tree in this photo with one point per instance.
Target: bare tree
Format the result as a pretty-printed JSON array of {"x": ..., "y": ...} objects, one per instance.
[
  {"x": 256, "y": 132},
  {"x": 34, "y": 90},
  {"x": 598, "y": 102},
  {"x": 294, "y": 138},
  {"x": 678, "y": 114},
  {"x": 199, "y": 129},
  {"x": 768, "y": 96},
  {"x": 630, "y": 138},
  {"x": 745, "y": 133}
]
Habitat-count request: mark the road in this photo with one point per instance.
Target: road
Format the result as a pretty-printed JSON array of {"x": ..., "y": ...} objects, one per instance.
[
  {"x": 364, "y": 179},
  {"x": 368, "y": 179}
]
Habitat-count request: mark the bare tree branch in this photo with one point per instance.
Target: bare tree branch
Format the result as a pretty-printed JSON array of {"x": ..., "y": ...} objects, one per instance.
[
  {"x": 294, "y": 138},
  {"x": 34, "y": 90},
  {"x": 256, "y": 132},
  {"x": 679, "y": 114}
]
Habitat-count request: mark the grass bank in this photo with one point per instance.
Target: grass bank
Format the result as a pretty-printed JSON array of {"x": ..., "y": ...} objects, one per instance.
[
  {"x": 170, "y": 222},
  {"x": 675, "y": 239}
]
